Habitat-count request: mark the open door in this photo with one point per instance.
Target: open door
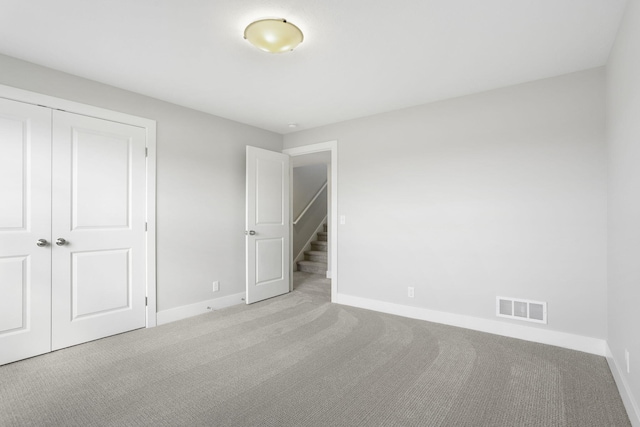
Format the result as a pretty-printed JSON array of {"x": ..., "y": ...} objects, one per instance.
[{"x": 268, "y": 249}]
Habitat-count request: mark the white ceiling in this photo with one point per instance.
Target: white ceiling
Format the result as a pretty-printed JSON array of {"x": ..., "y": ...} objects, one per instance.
[{"x": 359, "y": 57}]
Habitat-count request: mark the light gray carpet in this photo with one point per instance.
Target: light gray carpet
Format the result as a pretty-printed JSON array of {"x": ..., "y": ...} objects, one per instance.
[{"x": 298, "y": 360}]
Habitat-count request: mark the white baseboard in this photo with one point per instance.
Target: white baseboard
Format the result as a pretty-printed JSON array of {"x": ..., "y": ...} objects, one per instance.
[
  {"x": 523, "y": 332},
  {"x": 630, "y": 403},
  {"x": 185, "y": 311}
]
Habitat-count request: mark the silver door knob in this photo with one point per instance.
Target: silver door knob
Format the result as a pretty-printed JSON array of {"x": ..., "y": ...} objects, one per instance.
[
  {"x": 60, "y": 241},
  {"x": 250, "y": 233},
  {"x": 41, "y": 242}
]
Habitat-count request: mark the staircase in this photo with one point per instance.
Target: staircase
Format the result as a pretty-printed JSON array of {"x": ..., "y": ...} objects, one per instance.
[{"x": 315, "y": 260}]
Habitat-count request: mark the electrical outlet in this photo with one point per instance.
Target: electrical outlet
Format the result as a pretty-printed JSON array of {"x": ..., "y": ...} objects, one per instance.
[
  {"x": 410, "y": 292},
  {"x": 626, "y": 359},
  {"x": 216, "y": 286},
  {"x": 343, "y": 220}
]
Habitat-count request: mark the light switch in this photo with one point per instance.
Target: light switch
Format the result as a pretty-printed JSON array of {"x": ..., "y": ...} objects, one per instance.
[{"x": 343, "y": 220}]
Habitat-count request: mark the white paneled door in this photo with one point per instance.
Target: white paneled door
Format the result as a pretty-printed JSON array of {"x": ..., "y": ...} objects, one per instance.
[
  {"x": 268, "y": 251},
  {"x": 25, "y": 229},
  {"x": 72, "y": 229},
  {"x": 98, "y": 229}
]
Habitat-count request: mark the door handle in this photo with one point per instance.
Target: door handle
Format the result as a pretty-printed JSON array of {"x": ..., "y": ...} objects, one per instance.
[
  {"x": 41, "y": 242},
  {"x": 250, "y": 233},
  {"x": 60, "y": 241}
]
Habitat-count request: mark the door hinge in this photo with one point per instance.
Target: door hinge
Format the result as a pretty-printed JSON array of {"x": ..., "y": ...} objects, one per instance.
[
  {"x": 146, "y": 152},
  {"x": 146, "y": 301},
  {"x": 146, "y": 226}
]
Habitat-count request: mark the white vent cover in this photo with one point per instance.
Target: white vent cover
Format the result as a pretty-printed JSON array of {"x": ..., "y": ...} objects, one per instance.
[{"x": 521, "y": 309}]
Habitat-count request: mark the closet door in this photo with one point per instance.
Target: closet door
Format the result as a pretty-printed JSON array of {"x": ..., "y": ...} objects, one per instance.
[
  {"x": 98, "y": 229},
  {"x": 25, "y": 221}
]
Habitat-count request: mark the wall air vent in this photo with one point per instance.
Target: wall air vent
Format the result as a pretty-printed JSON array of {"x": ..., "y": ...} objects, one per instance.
[{"x": 521, "y": 309}]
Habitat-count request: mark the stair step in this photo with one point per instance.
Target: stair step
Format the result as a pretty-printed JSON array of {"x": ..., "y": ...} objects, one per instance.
[
  {"x": 312, "y": 267},
  {"x": 320, "y": 256},
  {"x": 317, "y": 245},
  {"x": 322, "y": 236}
]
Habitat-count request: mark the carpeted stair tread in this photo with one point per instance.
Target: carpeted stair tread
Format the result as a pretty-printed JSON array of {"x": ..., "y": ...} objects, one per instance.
[
  {"x": 319, "y": 245},
  {"x": 323, "y": 253},
  {"x": 312, "y": 267},
  {"x": 320, "y": 256}
]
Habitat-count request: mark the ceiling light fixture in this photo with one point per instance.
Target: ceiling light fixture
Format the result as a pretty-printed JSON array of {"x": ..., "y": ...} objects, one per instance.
[{"x": 273, "y": 35}]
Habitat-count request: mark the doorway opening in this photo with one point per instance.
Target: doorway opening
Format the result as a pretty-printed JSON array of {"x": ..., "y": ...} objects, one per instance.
[{"x": 316, "y": 165}]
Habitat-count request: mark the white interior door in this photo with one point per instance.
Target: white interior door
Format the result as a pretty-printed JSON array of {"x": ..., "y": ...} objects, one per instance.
[
  {"x": 25, "y": 217},
  {"x": 98, "y": 229},
  {"x": 268, "y": 250}
]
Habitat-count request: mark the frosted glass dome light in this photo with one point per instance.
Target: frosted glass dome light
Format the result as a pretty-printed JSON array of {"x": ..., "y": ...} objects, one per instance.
[{"x": 273, "y": 35}]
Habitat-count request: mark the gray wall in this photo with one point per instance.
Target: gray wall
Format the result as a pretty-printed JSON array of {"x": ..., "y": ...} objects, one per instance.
[
  {"x": 499, "y": 193},
  {"x": 307, "y": 180},
  {"x": 623, "y": 136},
  {"x": 200, "y": 182}
]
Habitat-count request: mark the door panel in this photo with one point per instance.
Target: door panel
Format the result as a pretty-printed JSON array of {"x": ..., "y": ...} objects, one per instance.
[
  {"x": 25, "y": 217},
  {"x": 269, "y": 256},
  {"x": 15, "y": 142},
  {"x": 99, "y": 209},
  {"x": 268, "y": 251},
  {"x": 100, "y": 282},
  {"x": 101, "y": 173},
  {"x": 269, "y": 181},
  {"x": 15, "y": 293}
]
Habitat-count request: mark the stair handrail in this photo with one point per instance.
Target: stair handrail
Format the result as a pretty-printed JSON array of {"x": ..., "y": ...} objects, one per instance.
[{"x": 310, "y": 203}]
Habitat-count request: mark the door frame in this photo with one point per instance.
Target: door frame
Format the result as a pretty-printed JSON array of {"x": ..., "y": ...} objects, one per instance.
[
  {"x": 149, "y": 125},
  {"x": 331, "y": 146}
]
